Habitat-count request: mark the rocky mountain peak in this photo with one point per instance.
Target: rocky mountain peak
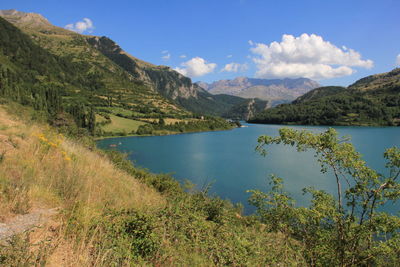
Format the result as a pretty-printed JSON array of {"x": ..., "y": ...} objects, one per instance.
[
  {"x": 275, "y": 91},
  {"x": 18, "y": 17}
]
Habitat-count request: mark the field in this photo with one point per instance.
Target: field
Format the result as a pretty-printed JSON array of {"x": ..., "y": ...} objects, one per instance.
[{"x": 119, "y": 124}]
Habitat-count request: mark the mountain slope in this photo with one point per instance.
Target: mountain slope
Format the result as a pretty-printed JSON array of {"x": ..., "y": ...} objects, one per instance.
[
  {"x": 374, "y": 100},
  {"x": 275, "y": 91},
  {"x": 113, "y": 68},
  {"x": 60, "y": 73},
  {"x": 96, "y": 80},
  {"x": 170, "y": 83}
]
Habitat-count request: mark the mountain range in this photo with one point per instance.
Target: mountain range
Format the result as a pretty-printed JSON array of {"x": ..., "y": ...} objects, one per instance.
[
  {"x": 370, "y": 101},
  {"x": 55, "y": 69},
  {"x": 104, "y": 75},
  {"x": 275, "y": 91}
]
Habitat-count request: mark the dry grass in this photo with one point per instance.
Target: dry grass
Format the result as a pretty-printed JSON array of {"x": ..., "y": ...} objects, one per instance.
[{"x": 41, "y": 169}]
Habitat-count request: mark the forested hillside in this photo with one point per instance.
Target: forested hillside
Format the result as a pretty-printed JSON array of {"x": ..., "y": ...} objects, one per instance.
[
  {"x": 374, "y": 100},
  {"x": 59, "y": 73}
]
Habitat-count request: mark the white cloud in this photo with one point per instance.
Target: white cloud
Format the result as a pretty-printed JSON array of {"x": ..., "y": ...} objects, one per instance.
[
  {"x": 229, "y": 56},
  {"x": 166, "y": 55},
  {"x": 182, "y": 56},
  {"x": 398, "y": 60},
  {"x": 196, "y": 67},
  {"x": 235, "y": 67},
  {"x": 81, "y": 26},
  {"x": 307, "y": 56}
]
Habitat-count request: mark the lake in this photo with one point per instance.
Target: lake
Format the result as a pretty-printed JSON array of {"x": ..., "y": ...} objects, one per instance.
[{"x": 228, "y": 159}]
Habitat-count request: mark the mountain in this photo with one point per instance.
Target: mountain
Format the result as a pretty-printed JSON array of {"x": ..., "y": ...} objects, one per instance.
[
  {"x": 95, "y": 72},
  {"x": 80, "y": 90},
  {"x": 373, "y": 100},
  {"x": 275, "y": 91},
  {"x": 172, "y": 84}
]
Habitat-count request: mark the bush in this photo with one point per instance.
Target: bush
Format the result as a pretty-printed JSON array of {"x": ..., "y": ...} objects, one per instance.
[{"x": 128, "y": 235}]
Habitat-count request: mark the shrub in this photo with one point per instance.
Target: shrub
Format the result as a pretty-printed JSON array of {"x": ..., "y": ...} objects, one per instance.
[{"x": 344, "y": 230}]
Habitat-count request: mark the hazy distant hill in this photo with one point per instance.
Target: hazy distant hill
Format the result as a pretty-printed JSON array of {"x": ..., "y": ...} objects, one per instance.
[
  {"x": 373, "y": 100},
  {"x": 275, "y": 91}
]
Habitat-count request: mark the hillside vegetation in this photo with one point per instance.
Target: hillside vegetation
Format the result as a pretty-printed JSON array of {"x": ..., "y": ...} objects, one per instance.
[
  {"x": 371, "y": 101},
  {"x": 109, "y": 213},
  {"x": 111, "y": 77},
  {"x": 174, "y": 86},
  {"x": 113, "y": 214},
  {"x": 74, "y": 84}
]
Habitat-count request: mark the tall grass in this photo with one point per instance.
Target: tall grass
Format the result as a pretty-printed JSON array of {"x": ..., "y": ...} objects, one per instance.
[{"x": 43, "y": 169}]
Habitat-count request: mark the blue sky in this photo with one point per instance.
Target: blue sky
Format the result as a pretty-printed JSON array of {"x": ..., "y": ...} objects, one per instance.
[{"x": 214, "y": 33}]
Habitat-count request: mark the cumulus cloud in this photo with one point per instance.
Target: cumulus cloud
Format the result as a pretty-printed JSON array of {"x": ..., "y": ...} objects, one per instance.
[
  {"x": 81, "y": 26},
  {"x": 307, "y": 56},
  {"x": 196, "y": 67},
  {"x": 235, "y": 67},
  {"x": 398, "y": 60},
  {"x": 166, "y": 55}
]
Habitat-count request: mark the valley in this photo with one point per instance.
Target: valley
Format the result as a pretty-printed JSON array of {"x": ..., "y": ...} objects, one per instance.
[{"x": 199, "y": 133}]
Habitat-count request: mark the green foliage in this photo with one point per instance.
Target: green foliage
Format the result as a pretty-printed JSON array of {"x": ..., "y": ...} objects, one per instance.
[
  {"x": 127, "y": 234},
  {"x": 32, "y": 76},
  {"x": 199, "y": 230},
  {"x": 344, "y": 230},
  {"x": 206, "y": 124}
]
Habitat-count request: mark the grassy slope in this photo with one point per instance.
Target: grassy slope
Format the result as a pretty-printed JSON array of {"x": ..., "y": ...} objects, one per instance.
[
  {"x": 119, "y": 124},
  {"x": 42, "y": 169},
  {"x": 111, "y": 213}
]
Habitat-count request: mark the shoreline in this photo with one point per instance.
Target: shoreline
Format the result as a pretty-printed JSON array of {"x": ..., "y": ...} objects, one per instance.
[{"x": 152, "y": 135}]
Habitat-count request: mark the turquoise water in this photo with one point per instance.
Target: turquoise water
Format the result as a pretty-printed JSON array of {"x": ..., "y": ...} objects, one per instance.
[{"x": 227, "y": 159}]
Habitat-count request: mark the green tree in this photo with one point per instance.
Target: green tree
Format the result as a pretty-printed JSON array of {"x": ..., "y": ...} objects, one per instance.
[
  {"x": 91, "y": 120},
  {"x": 346, "y": 229},
  {"x": 161, "y": 121}
]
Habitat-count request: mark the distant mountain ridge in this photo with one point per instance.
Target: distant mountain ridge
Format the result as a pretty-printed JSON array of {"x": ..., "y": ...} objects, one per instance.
[
  {"x": 370, "y": 101},
  {"x": 275, "y": 91}
]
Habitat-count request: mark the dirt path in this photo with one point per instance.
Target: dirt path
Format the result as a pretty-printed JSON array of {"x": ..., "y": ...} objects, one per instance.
[{"x": 23, "y": 223}]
